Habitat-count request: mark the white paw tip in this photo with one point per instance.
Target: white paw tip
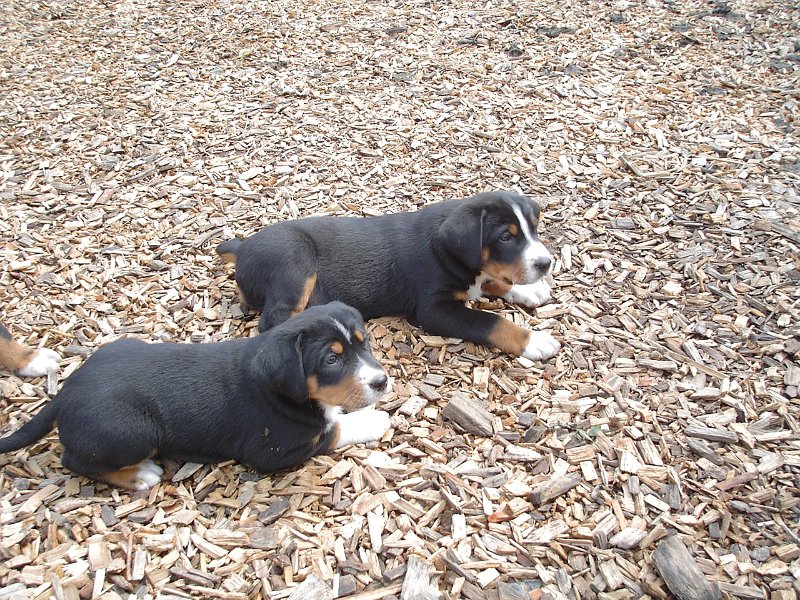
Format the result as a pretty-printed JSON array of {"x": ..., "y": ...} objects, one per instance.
[
  {"x": 541, "y": 346},
  {"x": 149, "y": 475},
  {"x": 44, "y": 361}
]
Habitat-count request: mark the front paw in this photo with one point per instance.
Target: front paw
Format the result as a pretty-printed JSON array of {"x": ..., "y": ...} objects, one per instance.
[
  {"x": 531, "y": 295},
  {"x": 43, "y": 361},
  {"x": 541, "y": 346},
  {"x": 366, "y": 425}
]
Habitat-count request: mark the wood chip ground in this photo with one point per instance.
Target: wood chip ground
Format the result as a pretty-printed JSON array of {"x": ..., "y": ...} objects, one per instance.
[{"x": 661, "y": 138}]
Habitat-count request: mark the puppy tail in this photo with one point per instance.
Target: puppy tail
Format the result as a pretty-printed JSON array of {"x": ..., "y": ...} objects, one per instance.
[
  {"x": 227, "y": 250},
  {"x": 34, "y": 430}
]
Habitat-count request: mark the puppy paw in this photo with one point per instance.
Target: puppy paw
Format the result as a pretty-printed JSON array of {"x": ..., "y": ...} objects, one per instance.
[
  {"x": 138, "y": 477},
  {"x": 541, "y": 346},
  {"x": 43, "y": 361},
  {"x": 531, "y": 295},
  {"x": 366, "y": 425}
]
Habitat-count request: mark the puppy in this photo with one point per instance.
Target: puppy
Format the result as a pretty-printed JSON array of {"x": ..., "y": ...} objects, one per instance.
[
  {"x": 25, "y": 361},
  {"x": 420, "y": 265},
  {"x": 269, "y": 402}
]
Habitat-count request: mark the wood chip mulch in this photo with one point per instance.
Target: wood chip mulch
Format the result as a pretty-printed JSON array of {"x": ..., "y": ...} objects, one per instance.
[{"x": 660, "y": 447}]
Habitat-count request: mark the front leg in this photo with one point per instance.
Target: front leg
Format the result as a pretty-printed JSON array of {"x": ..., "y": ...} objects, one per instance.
[
  {"x": 531, "y": 295},
  {"x": 453, "y": 319},
  {"x": 360, "y": 426}
]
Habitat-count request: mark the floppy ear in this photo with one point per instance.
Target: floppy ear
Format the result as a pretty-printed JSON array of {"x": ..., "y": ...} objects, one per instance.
[
  {"x": 462, "y": 234},
  {"x": 280, "y": 367}
]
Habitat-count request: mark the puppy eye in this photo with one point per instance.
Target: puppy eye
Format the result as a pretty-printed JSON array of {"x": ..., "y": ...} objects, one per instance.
[
  {"x": 506, "y": 237},
  {"x": 331, "y": 358}
]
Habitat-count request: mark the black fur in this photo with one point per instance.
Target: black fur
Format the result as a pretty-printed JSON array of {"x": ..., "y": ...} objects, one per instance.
[
  {"x": 243, "y": 399},
  {"x": 417, "y": 265}
]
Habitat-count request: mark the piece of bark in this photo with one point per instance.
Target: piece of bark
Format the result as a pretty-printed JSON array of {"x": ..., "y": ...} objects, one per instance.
[
  {"x": 417, "y": 582},
  {"x": 555, "y": 487},
  {"x": 469, "y": 414},
  {"x": 313, "y": 588},
  {"x": 680, "y": 572}
]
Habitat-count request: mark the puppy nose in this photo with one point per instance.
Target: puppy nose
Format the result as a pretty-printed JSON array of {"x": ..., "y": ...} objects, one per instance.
[
  {"x": 542, "y": 263},
  {"x": 379, "y": 382}
]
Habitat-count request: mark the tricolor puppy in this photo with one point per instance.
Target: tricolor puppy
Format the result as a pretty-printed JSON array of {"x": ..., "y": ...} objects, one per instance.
[
  {"x": 269, "y": 402},
  {"x": 25, "y": 361},
  {"x": 421, "y": 265}
]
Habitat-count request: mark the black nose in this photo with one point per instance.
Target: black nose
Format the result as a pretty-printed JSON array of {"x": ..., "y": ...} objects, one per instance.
[
  {"x": 542, "y": 263},
  {"x": 379, "y": 382}
]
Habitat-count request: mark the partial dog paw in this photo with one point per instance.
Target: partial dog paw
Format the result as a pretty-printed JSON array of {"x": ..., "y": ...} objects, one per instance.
[
  {"x": 531, "y": 295},
  {"x": 42, "y": 362},
  {"x": 138, "y": 477},
  {"x": 149, "y": 474},
  {"x": 366, "y": 425},
  {"x": 541, "y": 346}
]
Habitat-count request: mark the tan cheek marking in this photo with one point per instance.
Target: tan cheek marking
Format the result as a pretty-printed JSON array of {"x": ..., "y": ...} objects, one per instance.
[
  {"x": 505, "y": 272},
  {"x": 509, "y": 337},
  {"x": 461, "y": 295},
  {"x": 337, "y": 347},
  {"x": 347, "y": 394},
  {"x": 305, "y": 295},
  {"x": 126, "y": 477},
  {"x": 228, "y": 257},
  {"x": 358, "y": 335},
  {"x": 13, "y": 356},
  {"x": 496, "y": 288}
]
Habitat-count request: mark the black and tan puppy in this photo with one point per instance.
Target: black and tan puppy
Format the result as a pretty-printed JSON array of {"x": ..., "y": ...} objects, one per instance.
[
  {"x": 421, "y": 265},
  {"x": 29, "y": 362},
  {"x": 269, "y": 402}
]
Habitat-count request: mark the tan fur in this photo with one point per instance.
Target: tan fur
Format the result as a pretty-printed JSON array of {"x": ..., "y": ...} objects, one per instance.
[
  {"x": 496, "y": 288},
  {"x": 305, "y": 296},
  {"x": 509, "y": 337},
  {"x": 228, "y": 257},
  {"x": 126, "y": 477},
  {"x": 337, "y": 347},
  {"x": 348, "y": 393},
  {"x": 13, "y": 356}
]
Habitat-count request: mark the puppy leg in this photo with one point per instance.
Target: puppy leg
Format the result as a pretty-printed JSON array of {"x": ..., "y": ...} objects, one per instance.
[
  {"x": 531, "y": 295},
  {"x": 453, "y": 319},
  {"x": 26, "y": 361},
  {"x": 140, "y": 476},
  {"x": 292, "y": 297},
  {"x": 360, "y": 426}
]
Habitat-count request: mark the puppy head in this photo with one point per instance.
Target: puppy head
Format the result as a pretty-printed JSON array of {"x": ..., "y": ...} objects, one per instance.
[
  {"x": 496, "y": 232},
  {"x": 323, "y": 354}
]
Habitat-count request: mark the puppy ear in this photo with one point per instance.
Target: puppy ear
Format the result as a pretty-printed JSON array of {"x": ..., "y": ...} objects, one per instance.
[
  {"x": 280, "y": 366},
  {"x": 462, "y": 234}
]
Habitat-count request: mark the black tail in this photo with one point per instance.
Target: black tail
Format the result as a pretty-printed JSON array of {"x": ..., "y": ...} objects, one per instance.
[
  {"x": 227, "y": 250},
  {"x": 34, "y": 430}
]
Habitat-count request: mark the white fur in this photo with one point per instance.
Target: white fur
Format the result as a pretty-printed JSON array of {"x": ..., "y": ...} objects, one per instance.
[
  {"x": 44, "y": 361},
  {"x": 541, "y": 346},
  {"x": 533, "y": 251},
  {"x": 365, "y": 425},
  {"x": 475, "y": 291},
  {"x": 343, "y": 329},
  {"x": 531, "y": 294},
  {"x": 149, "y": 475}
]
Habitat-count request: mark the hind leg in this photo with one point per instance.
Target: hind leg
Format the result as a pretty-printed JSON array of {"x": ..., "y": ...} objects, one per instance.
[
  {"x": 138, "y": 476},
  {"x": 297, "y": 292},
  {"x": 115, "y": 448}
]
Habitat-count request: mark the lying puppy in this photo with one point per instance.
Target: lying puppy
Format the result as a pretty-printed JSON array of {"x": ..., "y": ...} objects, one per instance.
[
  {"x": 270, "y": 402},
  {"x": 25, "y": 361},
  {"x": 421, "y": 265}
]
